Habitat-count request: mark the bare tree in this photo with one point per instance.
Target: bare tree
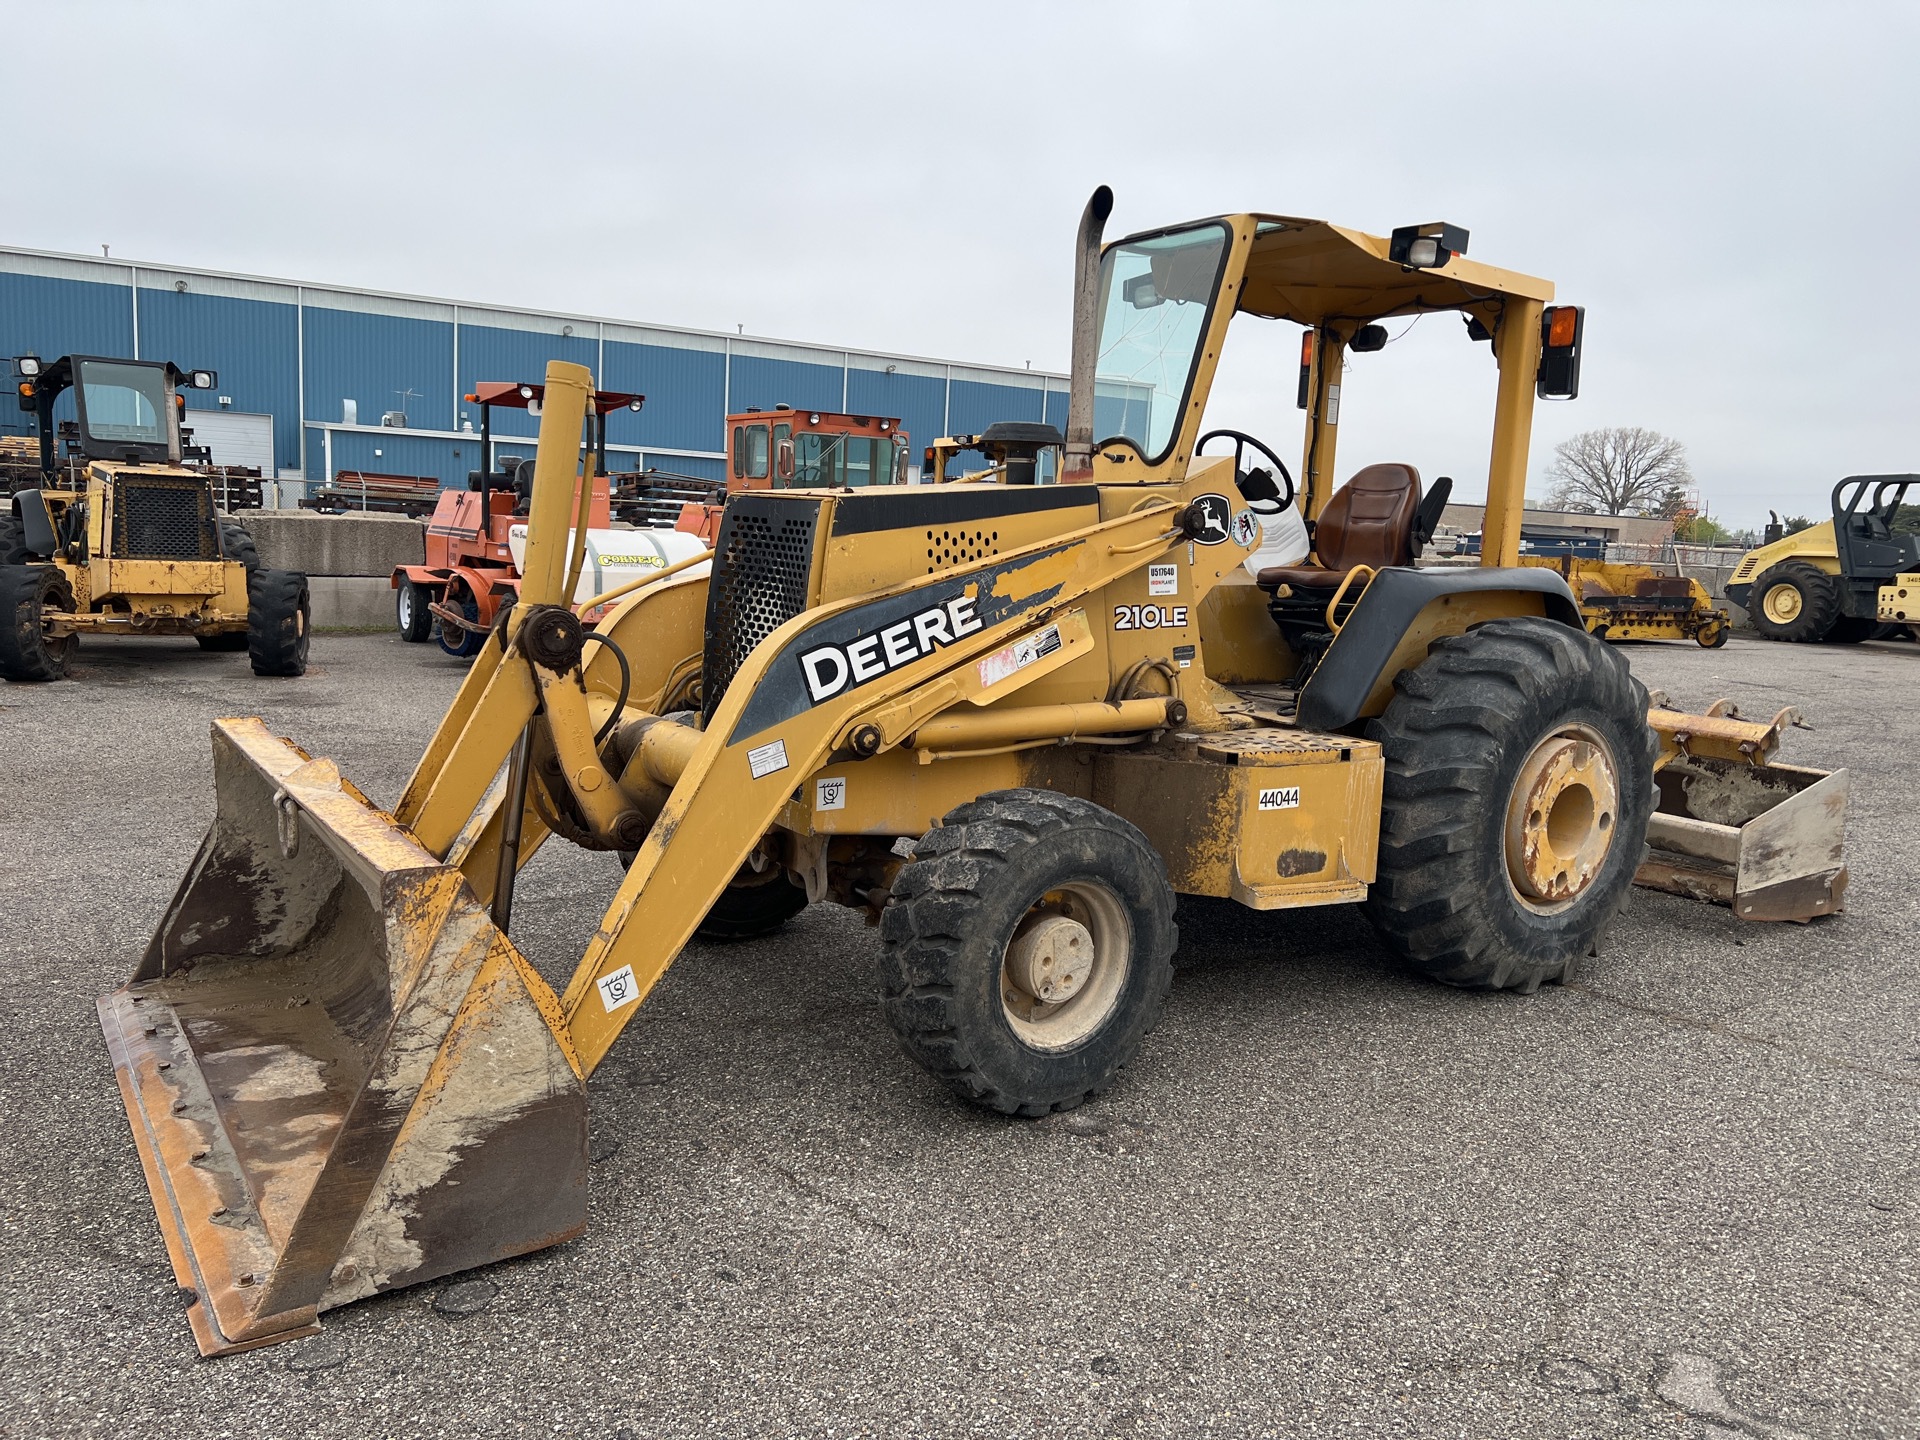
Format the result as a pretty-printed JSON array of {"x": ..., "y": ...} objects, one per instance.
[{"x": 1621, "y": 470}]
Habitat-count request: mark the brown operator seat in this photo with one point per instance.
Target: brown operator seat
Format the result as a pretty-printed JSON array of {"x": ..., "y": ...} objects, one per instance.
[{"x": 1369, "y": 521}]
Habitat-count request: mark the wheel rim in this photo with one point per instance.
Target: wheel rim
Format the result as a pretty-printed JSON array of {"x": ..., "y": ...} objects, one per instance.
[
  {"x": 1782, "y": 603},
  {"x": 406, "y": 607},
  {"x": 1066, "y": 966},
  {"x": 1560, "y": 818}
]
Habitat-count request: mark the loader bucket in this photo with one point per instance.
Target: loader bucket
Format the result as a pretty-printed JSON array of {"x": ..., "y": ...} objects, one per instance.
[
  {"x": 1733, "y": 828},
  {"x": 341, "y": 1077}
]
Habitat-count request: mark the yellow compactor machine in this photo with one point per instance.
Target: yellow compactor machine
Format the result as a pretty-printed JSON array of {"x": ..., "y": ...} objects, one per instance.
[{"x": 1009, "y": 721}]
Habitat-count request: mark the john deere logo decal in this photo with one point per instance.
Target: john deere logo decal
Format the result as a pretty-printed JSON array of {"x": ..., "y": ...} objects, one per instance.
[{"x": 1213, "y": 515}]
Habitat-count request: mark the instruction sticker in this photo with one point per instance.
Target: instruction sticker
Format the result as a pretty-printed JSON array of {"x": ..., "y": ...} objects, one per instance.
[
  {"x": 618, "y": 990},
  {"x": 766, "y": 759},
  {"x": 1011, "y": 659},
  {"x": 1285, "y": 798},
  {"x": 1163, "y": 579},
  {"x": 830, "y": 794}
]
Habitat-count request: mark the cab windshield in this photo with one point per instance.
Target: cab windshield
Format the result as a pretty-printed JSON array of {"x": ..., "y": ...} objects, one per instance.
[
  {"x": 122, "y": 404},
  {"x": 1156, "y": 294},
  {"x": 835, "y": 461}
]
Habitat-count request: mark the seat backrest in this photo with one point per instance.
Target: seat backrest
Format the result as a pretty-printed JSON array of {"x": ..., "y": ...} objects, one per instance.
[{"x": 1369, "y": 520}]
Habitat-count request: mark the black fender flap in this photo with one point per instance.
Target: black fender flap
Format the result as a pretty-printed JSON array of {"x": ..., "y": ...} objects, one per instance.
[
  {"x": 36, "y": 523},
  {"x": 1401, "y": 614}
]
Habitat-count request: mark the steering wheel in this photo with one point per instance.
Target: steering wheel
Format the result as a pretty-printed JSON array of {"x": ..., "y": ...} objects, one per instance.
[{"x": 1243, "y": 442}]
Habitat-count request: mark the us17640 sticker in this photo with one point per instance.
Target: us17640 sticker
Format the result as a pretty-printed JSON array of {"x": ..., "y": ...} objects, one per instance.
[{"x": 1149, "y": 617}]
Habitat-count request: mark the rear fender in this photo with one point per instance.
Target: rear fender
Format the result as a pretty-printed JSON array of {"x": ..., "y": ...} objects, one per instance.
[{"x": 1402, "y": 614}]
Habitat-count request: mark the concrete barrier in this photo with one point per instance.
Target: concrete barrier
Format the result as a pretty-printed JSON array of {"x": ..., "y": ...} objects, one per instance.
[
  {"x": 336, "y": 545},
  {"x": 350, "y": 602}
]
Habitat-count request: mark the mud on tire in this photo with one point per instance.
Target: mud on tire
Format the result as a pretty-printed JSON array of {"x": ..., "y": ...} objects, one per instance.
[
  {"x": 278, "y": 622},
  {"x": 999, "y": 866},
  {"x": 1457, "y": 734}
]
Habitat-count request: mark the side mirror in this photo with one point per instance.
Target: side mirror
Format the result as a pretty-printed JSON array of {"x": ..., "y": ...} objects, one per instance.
[
  {"x": 901, "y": 464},
  {"x": 204, "y": 379},
  {"x": 783, "y": 459}
]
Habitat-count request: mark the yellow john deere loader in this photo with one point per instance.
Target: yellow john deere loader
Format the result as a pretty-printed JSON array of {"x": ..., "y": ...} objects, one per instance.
[
  {"x": 1010, "y": 721},
  {"x": 132, "y": 545}
]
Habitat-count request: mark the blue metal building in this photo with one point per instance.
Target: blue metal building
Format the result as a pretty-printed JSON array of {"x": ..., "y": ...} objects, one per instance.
[{"x": 327, "y": 362}]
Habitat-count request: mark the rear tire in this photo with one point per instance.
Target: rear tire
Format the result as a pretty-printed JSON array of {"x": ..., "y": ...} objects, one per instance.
[
  {"x": 27, "y": 653},
  {"x": 1019, "y": 895},
  {"x": 410, "y": 613},
  {"x": 1794, "y": 601},
  {"x": 1477, "y": 739},
  {"x": 279, "y": 628},
  {"x": 237, "y": 543}
]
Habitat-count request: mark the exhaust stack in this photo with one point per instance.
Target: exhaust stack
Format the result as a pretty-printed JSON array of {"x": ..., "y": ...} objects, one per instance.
[{"x": 1086, "y": 334}]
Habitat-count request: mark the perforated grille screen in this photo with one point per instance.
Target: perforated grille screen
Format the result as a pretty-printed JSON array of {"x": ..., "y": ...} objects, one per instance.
[
  {"x": 163, "y": 519},
  {"x": 763, "y": 561}
]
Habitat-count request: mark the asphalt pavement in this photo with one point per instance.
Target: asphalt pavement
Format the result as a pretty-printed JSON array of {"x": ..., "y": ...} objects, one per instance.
[{"x": 1675, "y": 1198}]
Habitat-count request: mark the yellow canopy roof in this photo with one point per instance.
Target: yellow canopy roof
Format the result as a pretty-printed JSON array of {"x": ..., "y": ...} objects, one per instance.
[{"x": 1309, "y": 271}]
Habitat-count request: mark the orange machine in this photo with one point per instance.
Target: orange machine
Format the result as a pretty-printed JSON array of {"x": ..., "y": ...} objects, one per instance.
[
  {"x": 788, "y": 449},
  {"x": 469, "y": 573}
]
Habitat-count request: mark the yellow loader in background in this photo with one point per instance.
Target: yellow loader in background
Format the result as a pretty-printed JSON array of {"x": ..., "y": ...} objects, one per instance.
[{"x": 1012, "y": 722}]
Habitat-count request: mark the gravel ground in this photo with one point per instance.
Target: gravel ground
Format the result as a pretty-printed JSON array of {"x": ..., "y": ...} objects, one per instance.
[{"x": 1675, "y": 1198}]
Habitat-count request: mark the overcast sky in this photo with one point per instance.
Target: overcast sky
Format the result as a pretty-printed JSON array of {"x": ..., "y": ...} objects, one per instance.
[{"x": 1729, "y": 188}]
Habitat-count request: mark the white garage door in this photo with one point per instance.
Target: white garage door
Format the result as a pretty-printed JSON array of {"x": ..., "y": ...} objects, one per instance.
[{"x": 234, "y": 437}]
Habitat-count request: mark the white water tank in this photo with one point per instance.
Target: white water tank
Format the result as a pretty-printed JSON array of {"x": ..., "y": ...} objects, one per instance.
[{"x": 615, "y": 557}]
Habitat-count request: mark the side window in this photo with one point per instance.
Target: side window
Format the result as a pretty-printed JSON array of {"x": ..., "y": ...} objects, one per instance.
[
  {"x": 739, "y": 451},
  {"x": 756, "y": 452}
]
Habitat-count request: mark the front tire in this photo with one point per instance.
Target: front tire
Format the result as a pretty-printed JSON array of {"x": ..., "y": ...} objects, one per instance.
[
  {"x": 1795, "y": 601},
  {"x": 1028, "y": 949},
  {"x": 410, "y": 613},
  {"x": 459, "y": 643},
  {"x": 279, "y": 616},
  {"x": 1519, "y": 782},
  {"x": 27, "y": 653}
]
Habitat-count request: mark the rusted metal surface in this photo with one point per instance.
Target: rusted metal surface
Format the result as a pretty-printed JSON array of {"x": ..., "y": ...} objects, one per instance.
[
  {"x": 1766, "y": 840},
  {"x": 1560, "y": 817},
  {"x": 341, "y": 1077}
]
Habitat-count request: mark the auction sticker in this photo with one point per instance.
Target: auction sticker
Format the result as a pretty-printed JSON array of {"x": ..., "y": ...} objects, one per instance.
[
  {"x": 766, "y": 759},
  {"x": 1281, "y": 798},
  {"x": 1163, "y": 579}
]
